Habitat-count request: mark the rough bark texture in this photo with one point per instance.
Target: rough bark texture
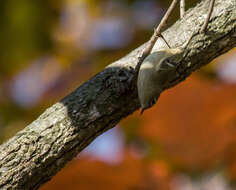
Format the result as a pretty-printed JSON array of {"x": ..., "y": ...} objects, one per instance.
[{"x": 35, "y": 154}]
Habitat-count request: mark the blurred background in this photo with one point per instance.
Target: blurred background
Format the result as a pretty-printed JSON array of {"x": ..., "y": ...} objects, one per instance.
[{"x": 185, "y": 142}]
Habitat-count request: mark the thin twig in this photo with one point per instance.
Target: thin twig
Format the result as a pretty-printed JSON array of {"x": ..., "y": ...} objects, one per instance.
[
  {"x": 204, "y": 26},
  {"x": 157, "y": 33},
  {"x": 165, "y": 41},
  {"x": 182, "y": 8}
]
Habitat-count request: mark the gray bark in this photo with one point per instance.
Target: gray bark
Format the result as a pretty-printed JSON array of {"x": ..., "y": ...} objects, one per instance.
[{"x": 35, "y": 154}]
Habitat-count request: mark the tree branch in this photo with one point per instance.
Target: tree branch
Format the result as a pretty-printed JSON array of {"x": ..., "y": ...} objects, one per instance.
[
  {"x": 182, "y": 8},
  {"x": 35, "y": 154},
  {"x": 155, "y": 36},
  {"x": 211, "y": 6}
]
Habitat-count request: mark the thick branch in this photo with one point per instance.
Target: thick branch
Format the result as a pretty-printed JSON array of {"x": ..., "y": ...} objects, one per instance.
[{"x": 38, "y": 152}]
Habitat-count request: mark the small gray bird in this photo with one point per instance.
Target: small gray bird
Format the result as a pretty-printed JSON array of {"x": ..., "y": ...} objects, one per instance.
[{"x": 153, "y": 75}]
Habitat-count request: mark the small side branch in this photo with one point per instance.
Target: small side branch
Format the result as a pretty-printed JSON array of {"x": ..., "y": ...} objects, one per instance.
[
  {"x": 155, "y": 36},
  {"x": 182, "y": 8},
  {"x": 204, "y": 26}
]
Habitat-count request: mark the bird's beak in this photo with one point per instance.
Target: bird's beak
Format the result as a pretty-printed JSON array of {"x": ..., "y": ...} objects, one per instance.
[{"x": 142, "y": 110}]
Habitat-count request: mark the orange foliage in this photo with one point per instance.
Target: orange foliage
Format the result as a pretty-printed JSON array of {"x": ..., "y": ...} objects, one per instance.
[
  {"x": 194, "y": 123},
  {"x": 89, "y": 174},
  {"x": 131, "y": 173}
]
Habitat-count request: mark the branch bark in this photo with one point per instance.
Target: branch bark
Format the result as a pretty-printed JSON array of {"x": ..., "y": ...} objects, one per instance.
[{"x": 35, "y": 154}]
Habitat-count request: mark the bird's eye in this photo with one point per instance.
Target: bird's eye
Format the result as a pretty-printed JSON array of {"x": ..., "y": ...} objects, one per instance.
[{"x": 154, "y": 101}]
